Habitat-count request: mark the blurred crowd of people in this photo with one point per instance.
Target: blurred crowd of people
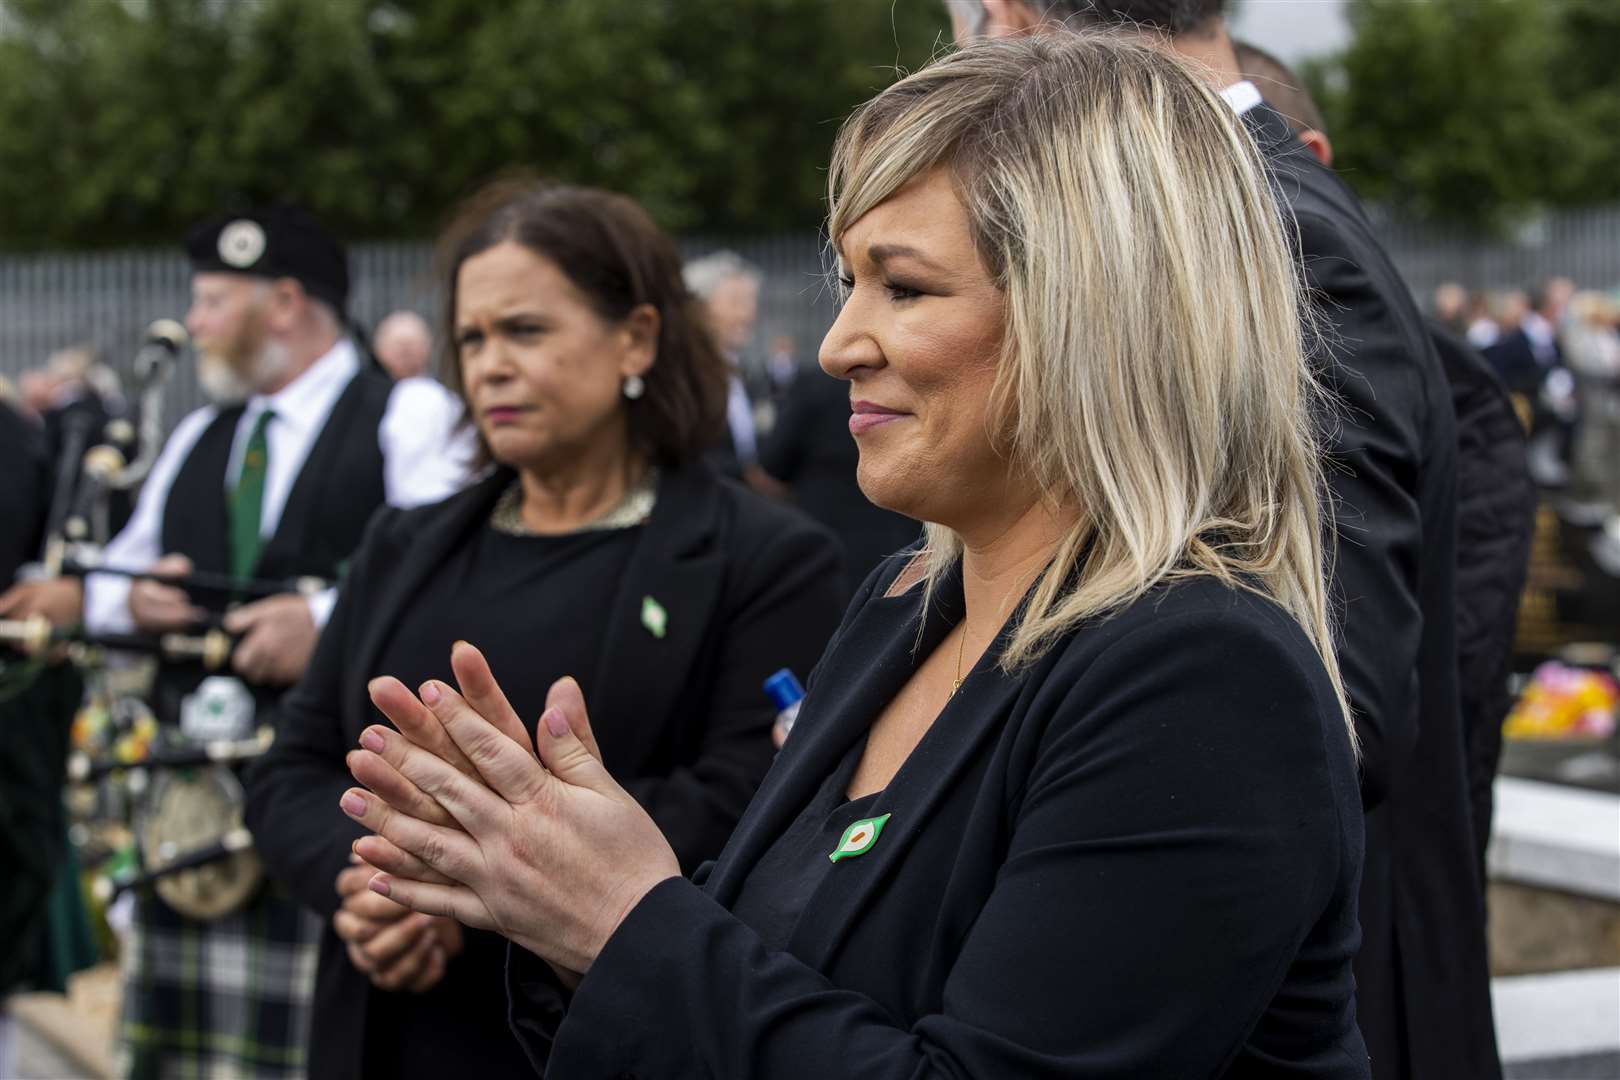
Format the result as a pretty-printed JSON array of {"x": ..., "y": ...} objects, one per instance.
[
  {"x": 72, "y": 375},
  {"x": 1556, "y": 344}
]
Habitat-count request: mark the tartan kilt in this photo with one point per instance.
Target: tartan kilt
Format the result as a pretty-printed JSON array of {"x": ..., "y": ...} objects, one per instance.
[{"x": 218, "y": 1000}]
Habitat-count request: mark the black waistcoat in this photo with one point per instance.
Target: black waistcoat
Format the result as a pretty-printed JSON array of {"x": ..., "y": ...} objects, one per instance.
[{"x": 334, "y": 495}]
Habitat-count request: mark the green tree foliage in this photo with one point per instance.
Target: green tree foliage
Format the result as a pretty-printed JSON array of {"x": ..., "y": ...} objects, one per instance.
[
  {"x": 1477, "y": 110},
  {"x": 1586, "y": 80},
  {"x": 123, "y": 120}
]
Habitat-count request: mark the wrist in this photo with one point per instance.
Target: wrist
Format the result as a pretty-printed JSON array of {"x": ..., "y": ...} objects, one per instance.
[{"x": 634, "y": 900}]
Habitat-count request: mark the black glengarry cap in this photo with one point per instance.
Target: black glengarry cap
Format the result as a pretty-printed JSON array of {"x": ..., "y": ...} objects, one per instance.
[{"x": 274, "y": 242}]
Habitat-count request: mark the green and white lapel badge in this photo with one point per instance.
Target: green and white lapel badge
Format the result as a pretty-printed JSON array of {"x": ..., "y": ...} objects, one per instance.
[
  {"x": 859, "y": 838},
  {"x": 654, "y": 617}
]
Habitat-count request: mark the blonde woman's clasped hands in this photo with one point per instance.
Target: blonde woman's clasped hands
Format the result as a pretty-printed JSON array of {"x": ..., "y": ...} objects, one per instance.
[{"x": 471, "y": 822}]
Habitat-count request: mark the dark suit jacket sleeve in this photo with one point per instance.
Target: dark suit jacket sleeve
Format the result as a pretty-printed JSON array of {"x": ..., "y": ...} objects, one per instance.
[
  {"x": 1170, "y": 851},
  {"x": 24, "y": 493},
  {"x": 293, "y": 791},
  {"x": 1376, "y": 453},
  {"x": 785, "y": 606}
]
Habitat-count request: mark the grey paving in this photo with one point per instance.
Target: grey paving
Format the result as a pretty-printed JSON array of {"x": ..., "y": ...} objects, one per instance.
[{"x": 1582, "y": 1067}]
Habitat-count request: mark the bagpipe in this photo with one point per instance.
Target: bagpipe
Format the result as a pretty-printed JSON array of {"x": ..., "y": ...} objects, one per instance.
[
  {"x": 165, "y": 802},
  {"x": 207, "y": 643},
  {"x": 94, "y": 464},
  {"x": 36, "y": 637}
]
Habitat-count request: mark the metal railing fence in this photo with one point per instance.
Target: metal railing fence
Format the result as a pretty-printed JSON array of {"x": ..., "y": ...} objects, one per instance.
[{"x": 106, "y": 299}]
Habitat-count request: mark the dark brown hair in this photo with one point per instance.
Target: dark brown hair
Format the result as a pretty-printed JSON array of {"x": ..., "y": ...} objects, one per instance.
[{"x": 614, "y": 254}]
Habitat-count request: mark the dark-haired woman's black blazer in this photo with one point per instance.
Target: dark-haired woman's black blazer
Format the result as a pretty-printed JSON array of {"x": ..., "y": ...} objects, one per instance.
[
  {"x": 1137, "y": 858},
  {"x": 682, "y": 720}
]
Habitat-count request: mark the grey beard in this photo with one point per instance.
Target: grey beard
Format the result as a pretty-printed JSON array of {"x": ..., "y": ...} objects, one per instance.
[
  {"x": 220, "y": 382},
  {"x": 224, "y": 385}
]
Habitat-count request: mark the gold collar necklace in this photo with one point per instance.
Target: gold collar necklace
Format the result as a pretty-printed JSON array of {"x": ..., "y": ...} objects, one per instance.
[{"x": 634, "y": 508}]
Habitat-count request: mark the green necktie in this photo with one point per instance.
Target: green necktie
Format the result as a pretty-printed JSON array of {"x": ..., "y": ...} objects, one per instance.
[{"x": 247, "y": 499}]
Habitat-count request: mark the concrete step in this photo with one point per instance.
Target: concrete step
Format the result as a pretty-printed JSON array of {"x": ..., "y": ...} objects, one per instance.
[{"x": 1561, "y": 1025}]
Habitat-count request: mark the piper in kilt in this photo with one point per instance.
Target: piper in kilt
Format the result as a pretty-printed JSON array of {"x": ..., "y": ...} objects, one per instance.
[{"x": 274, "y": 482}]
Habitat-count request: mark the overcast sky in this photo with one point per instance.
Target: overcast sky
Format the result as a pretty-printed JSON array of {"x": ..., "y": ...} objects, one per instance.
[{"x": 1293, "y": 29}]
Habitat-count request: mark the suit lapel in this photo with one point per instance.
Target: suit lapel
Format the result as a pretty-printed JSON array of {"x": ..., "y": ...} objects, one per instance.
[
  {"x": 873, "y": 659},
  {"x": 660, "y": 612},
  {"x": 425, "y": 555},
  {"x": 972, "y": 718},
  {"x": 878, "y": 653}
]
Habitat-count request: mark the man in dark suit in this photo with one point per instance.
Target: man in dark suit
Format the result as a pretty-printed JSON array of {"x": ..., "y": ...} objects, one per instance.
[
  {"x": 1533, "y": 345},
  {"x": 1423, "y": 983},
  {"x": 1530, "y": 360},
  {"x": 1514, "y": 358},
  {"x": 728, "y": 287},
  {"x": 1496, "y": 500}
]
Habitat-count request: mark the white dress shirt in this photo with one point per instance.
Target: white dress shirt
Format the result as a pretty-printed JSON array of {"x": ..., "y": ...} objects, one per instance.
[
  {"x": 425, "y": 459},
  {"x": 1242, "y": 96},
  {"x": 1483, "y": 333},
  {"x": 1542, "y": 337},
  {"x": 740, "y": 418}
]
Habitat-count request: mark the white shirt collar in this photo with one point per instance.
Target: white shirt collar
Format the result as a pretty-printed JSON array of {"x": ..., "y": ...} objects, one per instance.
[
  {"x": 1543, "y": 337},
  {"x": 1242, "y": 96},
  {"x": 304, "y": 401}
]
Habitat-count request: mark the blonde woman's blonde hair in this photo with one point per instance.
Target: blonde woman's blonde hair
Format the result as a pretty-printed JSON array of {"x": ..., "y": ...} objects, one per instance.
[{"x": 1154, "y": 372}]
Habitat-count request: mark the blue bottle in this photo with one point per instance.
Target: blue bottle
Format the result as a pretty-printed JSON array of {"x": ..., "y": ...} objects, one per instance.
[{"x": 785, "y": 692}]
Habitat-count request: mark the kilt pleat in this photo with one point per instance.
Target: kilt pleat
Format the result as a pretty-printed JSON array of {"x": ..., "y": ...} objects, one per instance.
[{"x": 218, "y": 1000}]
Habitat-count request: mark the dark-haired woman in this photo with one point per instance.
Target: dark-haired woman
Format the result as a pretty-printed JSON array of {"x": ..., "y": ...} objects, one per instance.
[{"x": 599, "y": 546}]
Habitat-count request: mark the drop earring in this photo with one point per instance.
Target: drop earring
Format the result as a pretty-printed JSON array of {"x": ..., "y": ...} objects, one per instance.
[{"x": 634, "y": 386}]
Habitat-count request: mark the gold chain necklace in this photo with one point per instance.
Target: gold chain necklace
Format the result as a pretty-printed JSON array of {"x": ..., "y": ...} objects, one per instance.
[{"x": 960, "y": 647}]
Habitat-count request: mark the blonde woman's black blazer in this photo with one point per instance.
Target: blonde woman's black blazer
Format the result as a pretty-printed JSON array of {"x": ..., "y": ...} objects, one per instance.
[{"x": 1137, "y": 858}]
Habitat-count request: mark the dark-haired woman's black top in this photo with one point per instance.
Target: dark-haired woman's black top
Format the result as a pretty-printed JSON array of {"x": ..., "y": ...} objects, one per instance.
[
  {"x": 529, "y": 603},
  {"x": 1136, "y": 858},
  {"x": 744, "y": 587}
]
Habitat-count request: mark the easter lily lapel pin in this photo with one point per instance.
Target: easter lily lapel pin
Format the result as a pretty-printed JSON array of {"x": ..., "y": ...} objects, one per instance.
[
  {"x": 859, "y": 838},
  {"x": 654, "y": 617}
]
